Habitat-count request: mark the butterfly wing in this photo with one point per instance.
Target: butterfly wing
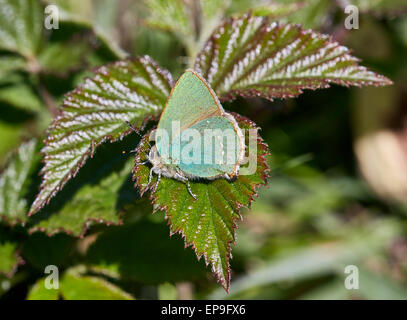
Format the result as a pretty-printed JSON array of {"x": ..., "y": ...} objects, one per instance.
[
  {"x": 190, "y": 101},
  {"x": 193, "y": 109},
  {"x": 210, "y": 148}
]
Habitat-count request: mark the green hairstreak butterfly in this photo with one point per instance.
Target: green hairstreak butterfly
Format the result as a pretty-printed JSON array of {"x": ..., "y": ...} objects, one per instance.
[{"x": 195, "y": 137}]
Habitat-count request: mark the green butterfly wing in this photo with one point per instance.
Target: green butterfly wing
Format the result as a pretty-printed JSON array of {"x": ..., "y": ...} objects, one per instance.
[
  {"x": 214, "y": 152},
  {"x": 193, "y": 106}
]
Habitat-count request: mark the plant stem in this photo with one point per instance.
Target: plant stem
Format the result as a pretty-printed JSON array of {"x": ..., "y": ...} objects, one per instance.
[{"x": 48, "y": 99}]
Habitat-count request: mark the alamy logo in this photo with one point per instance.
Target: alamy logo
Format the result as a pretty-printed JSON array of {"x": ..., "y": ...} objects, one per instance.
[
  {"x": 51, "y": 20},
  {"x": 207, "y": 147},
  {"x": 352, "y": 20},
  {"x": 51, "y": 281},
  {"x": 352, "y": 278}
]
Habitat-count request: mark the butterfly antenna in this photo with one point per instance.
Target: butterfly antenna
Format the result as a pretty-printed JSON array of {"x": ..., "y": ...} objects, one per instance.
[
  {"x": 135, "y": 130},
  {"x": 135, "y": 150}
]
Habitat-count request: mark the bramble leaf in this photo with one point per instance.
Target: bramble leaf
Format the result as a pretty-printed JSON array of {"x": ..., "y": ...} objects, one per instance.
[
  {"x": 40, "y": 250},
  {"x": 62, "y": 57},
  {"x": 209, "y": 223},
  {"x": 212, "y": 12},
  {"x": 93, "y": 16},
  {"x": 190, "y": 21},
  {"x": 21, "y": 26},
  {"x": 381, "y": 6},
  {"x": 92, "y": 197},
  {"x": 15, "y": 181},
  {"x": 39, "y": 292},
  {"x": 10, "y": 63},
  {"x": 176, "y": 17},
  {"x": 95, "y": 112},
  {"x": 9, "y": 253},
  {"x": 149, "y": 259},
  {"x": 272, "y": 9},
  {"x": 21, "y": 96},
  {"x": 251, "y": 56},
  {"x": 311, "y": 13},
  {"x": 90, "y": 288},
  {"x": 9, "y": 260},
  {"x": 75, "y": 286}
]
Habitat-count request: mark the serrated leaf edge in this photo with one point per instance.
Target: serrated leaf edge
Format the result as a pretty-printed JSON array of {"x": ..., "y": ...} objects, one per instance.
[
  {"x": 19, "y": 262},
  {"x": 94, "y": 144},
  {"x": 12, "y": 222},
  {"x": 85, "y": 228},
  {"x": 325, "y": 83},
  {"x": 265, "y": 176}
]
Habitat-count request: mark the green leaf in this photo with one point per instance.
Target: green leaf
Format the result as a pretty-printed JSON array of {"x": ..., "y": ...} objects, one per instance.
[
  {"x": 209, "y": 223},
  {"x": 251, "y": 56},
  {"x": 11, "y": 135},
  {"x": 40, "y": 250},
  {"x": 98, "y": 194},
  {"x": 312, "y": 13},
  {"x": 39, "y": 292},
  {"x": 80, "y": 287},
  {"x": 272, "y": 9},
  {"x": 190, "y": 21},
  {"x": 135, "y": 254},
  {"x": 62, "y": 57},
  {"x": 10, "y": 63},
  {"x": 92, "y": 197},
  {"x": 308, "y": 13},
  {"x": 21, "y": 96},
  {"x": 380, "y": 287},
  {"x": 167, "y": 291},
  {"x": 9, "y": 259},
  {"x": 9, "y": 255},
  {"x": 21, "y": 26},
  {"x": 275, "y": 10},
  {"x": 212, "y": 12},
  {"x": 75, "y": 286},
  {"x": 95, "y": 112},
  {"x": 94, "y": 16},
  {"x": 175, "y": 16},
  {"x": 15, "y": 183},
  {"x": 381, "y": 6}
]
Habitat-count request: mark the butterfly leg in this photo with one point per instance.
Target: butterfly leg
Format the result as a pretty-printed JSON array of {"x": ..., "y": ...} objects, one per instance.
[
  {"x": 158, "y": 181},
  {"x": 229, "y": 178},
  {"x": 185, "y": 179},
  {"x": 150, "y": 176},
  {"x": 142, "y": 163},
  {"x": 190, "y": 191}
]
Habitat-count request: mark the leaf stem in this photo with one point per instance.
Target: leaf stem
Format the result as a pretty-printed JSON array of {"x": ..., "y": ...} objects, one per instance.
[{"x": 48, "y": 99}]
